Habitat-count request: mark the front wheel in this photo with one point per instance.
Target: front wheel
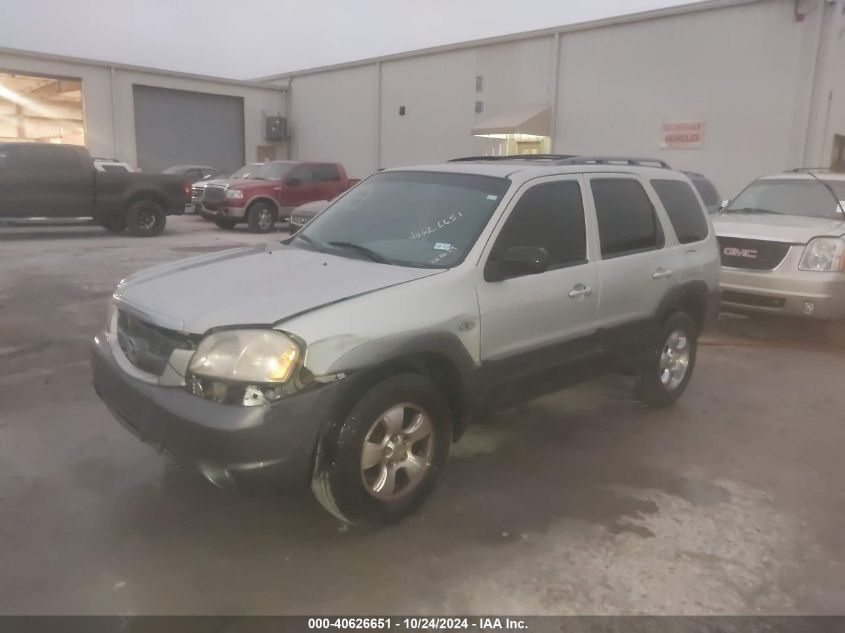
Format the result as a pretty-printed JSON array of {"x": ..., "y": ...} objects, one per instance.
[
  {"x": 145, "y": 218},
  {"x": 385, "y": 458},
  {"x": 261, "y": 217},
  {"x": 668, "y": 372}
]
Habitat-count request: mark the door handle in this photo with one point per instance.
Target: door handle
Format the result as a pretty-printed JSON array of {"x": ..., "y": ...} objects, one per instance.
[
  {"x": 662, "y": 273},
  {"x": 580, "y": 290}
]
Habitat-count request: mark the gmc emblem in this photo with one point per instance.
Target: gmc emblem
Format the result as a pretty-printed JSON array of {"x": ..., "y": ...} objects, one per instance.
[{"x": 748, "y": 253}]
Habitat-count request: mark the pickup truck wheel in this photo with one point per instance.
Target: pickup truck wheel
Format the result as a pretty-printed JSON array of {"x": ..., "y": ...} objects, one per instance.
[
  {"x": 261, "y": 217},
  {"x": 225, "y": 223},
  {"x": 387, "y": 454},
  {"x": 666, "y": 376},
  {"x": 114, "y": 224},
  {"x": 145, "y": 218}
]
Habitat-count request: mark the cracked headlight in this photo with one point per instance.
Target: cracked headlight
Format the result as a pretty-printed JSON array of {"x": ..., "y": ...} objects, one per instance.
[
  {"x": 247, "y": 367},
  {"x": 824, "y": 254}
]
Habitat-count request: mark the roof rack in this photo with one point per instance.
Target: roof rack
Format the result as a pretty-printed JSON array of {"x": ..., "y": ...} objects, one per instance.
[
  {"x": 467, "y": 159},
  {"x": 570, "y": 159},
  {"x": 616, "y": 160}
]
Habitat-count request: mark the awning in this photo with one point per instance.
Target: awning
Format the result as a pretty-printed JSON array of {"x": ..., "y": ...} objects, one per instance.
[{"x": 535, "y": 120}]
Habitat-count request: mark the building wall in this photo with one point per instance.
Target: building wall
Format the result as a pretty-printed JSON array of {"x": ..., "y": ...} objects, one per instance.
[
  {"x": 744, "y": 70},
  {"x": 737, "y": 69},
  {"x": 109, "y": 108},
  {"x": 828, "y": 104},
  {"x": 333, "y": 117}
]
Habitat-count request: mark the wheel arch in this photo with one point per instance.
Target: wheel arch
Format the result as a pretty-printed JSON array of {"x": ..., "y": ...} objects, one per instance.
[{"x": 693, "y": 297}]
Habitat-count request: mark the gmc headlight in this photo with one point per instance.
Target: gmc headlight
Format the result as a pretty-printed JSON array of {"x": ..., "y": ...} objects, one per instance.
[
  {"x": 234, "y": 194},
  {"x": 824, "y": 254},
  {"x": 246, "y": 367}
]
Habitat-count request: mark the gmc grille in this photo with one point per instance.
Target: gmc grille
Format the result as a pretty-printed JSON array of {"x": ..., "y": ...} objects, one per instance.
[
  {"x": 739, "y": 252},
  {"x": 214, "y": 194},
  {"x": 147, "y": 346}
]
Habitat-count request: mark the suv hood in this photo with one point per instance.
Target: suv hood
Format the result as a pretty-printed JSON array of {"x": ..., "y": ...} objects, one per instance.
[
  {"x": 255, "y": 285},
  {"x": 795, "y": 229}
]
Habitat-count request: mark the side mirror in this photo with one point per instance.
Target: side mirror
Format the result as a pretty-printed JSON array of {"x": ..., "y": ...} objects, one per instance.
[
  {"x": 724, "y": 204},
  {"x": 516, "y": 261},
  {"x": 293, "y": 181}
]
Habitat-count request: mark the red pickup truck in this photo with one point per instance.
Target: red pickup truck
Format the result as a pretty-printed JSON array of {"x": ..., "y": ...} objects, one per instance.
[{"x": 266, "y": 193}]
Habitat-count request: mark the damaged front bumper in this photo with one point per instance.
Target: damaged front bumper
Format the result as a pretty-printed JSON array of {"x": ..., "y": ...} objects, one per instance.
[{"x": 272, "y": 444}]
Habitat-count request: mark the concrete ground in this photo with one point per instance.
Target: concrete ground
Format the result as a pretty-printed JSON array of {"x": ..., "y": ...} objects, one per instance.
[{"x": 583, "y": 502}]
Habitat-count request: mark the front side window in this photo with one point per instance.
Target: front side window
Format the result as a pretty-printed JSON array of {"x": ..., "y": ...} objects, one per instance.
[
  {"x": 626, "y": 218},
  {"x": 683, "y": 208},
  {"x": 407, "y": 218},
  {"x": 272, "y": 171},
  {"x": 791, "y": 196},
  {"x": 550, "y": 216},
  {"x": 304, "y": 173}
]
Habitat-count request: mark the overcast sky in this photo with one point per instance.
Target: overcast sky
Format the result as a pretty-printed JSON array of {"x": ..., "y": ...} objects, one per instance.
[{"x": 252, "y": 38}]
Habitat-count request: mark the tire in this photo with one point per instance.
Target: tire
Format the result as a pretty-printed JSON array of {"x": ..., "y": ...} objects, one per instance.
[
  {"x": 665, "y": 377},
  {"x": 261, "y": 217},
  {"x": 411, "y": 406},
  {"x": 145, "y": 218},
  {"x": 114, "y": 224},
  {"x": 226, "y": 223}
]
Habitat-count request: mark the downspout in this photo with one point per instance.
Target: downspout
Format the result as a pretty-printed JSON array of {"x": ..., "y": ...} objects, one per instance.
[
  {"x": 378, "y": 115},
  {"x": 555, "y": 85},
  {"x": 288, "y": 108},
  {"x": 814, "y": 86},
  {"x": 114, "y": 117}
]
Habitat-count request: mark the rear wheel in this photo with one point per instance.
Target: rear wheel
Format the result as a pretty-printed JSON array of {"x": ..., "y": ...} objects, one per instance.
[
  {"x": 668, "y": 372},
  {"x": 387, "y": 454},
  {"x": 261, "y": 217},
  {"x": 225, "y": 223},
  {"x": 145, "y": 218}
]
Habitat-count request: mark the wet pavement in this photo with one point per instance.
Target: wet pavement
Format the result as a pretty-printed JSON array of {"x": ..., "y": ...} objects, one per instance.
[{"x": 582, "y": 502}]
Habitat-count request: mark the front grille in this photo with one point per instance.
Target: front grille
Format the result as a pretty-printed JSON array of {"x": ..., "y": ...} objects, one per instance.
[
  {"x": 214, "y": 193},
  {"x": 148, "y": 346},
  {"x": 738, "y": 252},
  {"x": 758, "y": 301},
  {"x": 196, "y": 194}
]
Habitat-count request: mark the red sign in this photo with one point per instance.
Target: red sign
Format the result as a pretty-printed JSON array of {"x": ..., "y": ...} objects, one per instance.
[{"x": 682, "y": 135}]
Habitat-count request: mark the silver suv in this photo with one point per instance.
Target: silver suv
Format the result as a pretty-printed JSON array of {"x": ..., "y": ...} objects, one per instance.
[
  {"x": 782, "y": 244},
  {"x": 351, "y": 355}
]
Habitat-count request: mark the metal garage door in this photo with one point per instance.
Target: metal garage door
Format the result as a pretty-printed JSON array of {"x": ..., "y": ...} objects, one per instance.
[{"x": 176, "y": 127}]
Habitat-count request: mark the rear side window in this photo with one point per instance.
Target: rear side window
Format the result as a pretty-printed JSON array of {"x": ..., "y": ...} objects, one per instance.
[
  {"x": 326, "y": 173},
  {"x": 626, "y": 218},
  {"x": 683, "y": 208},
  {"x": 550, "y": 215}
]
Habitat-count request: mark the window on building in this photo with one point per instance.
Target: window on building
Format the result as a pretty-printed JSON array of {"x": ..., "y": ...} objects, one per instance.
[
  {"x": 683, "y": 208},
  {"x": 551, "y": 216},
  {"x": 479, "y": 83},
  {"x": 626, "y": 218},
  {"x": 479, "y": 107}
]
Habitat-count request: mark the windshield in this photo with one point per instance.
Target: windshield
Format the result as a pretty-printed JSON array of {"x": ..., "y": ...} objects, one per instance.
[
  {"x": 790, "y": 196},
  {"x": 417, "y": 219}
]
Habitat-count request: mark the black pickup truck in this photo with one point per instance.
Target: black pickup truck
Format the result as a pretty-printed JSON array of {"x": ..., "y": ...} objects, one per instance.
[{"x": 59, "y": 181}]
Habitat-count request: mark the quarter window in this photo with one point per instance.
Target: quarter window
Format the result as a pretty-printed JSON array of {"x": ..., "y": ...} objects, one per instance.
[
  {"x": 551, "y": 216},
  {"x": 626, "y": 218},
  {"x": 683, "y": 208}
]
